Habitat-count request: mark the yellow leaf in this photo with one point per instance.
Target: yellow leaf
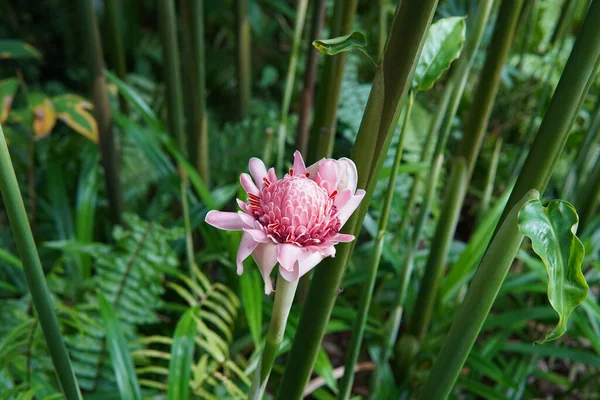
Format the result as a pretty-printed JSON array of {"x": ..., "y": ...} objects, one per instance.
[
  {"x": 44, "y": 119},
  {"x": 73, "y": 111}
]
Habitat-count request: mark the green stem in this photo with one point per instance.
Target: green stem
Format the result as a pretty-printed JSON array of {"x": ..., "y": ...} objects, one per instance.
[
  {"x": 489, "y": 82},
  {"x": 408, "y": 31},
  {"x": 476, "y": 306},
  {"x": 102, "y": 113},
  {"x": 489, "y": 182},
  {"x": 244, "y": 60},
  {"x": 172, "y": 67},
  {"x": 192, "y": 16},
  {"x": 587, "y": 201},
  {"x": 40, "y": 294},
  {"x": 383, "y": 26},
  {"x": 117, "y": 52},
  {"x": 328, "y": 94},
  {"x": 310, "y": 77},
  {"x": 284, "y": 296},
  {"x": 289, "y": 82},
  {"x": 367, "y": 288}
]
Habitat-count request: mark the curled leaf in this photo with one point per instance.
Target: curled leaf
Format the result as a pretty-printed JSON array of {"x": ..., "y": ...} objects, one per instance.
[
  {"x": 333, "y": 46},
  {"x": 73, "y": 111},
  {"x": 44, "y": 115},
  {"x": 8, "y": 88},
  {"x": 552, "y": 232},
  {"x": 17, "y": 49}
]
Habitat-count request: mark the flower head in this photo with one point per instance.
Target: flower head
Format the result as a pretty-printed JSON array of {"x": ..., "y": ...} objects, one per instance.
[{"x": 294, "y": 221}]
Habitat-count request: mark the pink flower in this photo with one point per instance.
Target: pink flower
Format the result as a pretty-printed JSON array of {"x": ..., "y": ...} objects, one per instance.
[{"x": 294, "y": 221}]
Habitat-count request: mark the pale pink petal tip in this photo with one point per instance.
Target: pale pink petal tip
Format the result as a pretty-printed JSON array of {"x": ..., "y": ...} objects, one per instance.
[
  {"x": 258, "y": 171},
  {"x": 299, "y": 166},
  {"x": 229, "y": 221}
]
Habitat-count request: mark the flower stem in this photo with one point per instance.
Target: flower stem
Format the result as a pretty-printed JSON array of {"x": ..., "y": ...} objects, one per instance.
[
  {"x": 284, "y": 296},
  {"x": 367, "y": 288}
]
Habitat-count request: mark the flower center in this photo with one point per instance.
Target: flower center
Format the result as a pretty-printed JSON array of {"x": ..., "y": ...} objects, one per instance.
[{"x": 296, "y": 210}]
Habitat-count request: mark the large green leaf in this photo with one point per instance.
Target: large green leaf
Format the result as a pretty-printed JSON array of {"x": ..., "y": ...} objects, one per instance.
[
  {"x": 8, "y": 88},
  {"x": 333, "y": 46},
  {"x": 251, "y": 285},
  {"x": 73, "y": 110},
  {"x": 182, "y": 357},
  {"x": 552, "y": 232},
  {"x": 10, "y": 48},
  {"x": 443, "y": 44},
  {"x": 122, "y": 363}
]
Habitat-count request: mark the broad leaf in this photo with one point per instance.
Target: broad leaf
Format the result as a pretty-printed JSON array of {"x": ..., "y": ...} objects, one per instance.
[
  {"x": 251, "y": 286},
  {"x": 182, "y": 357},
  {"x": 552, "y": 232},
  {"x": 44, "y": 114},
  {"x": 73, "y": 111},
  {"x": 17, "y": 49},
  {"x": 333, "y": 46},
  {"x": 443, "y": 44},
  {"x": 8, "y": 88}
]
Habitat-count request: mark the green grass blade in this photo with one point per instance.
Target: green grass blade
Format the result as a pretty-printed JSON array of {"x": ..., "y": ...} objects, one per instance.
[{"x": 182, "y": 357}]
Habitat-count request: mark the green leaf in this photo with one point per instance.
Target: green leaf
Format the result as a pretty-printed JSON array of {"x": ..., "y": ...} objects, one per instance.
[
  {"x": 122, "y": 363},
  {"x": 443, "y": 44},
  {"x": 135, "y": 100},
  {"x": 552, "y": 232},
  {"x": 17, "y": 49},
  {"x": 182, "y": 357},
  {"x": 251, "y": 285},
  {"x": 44, "y": 114},
  {"x": 333, "y": 46},
  {"x": 8, "y": 88},
  {"x": 74, "y": 111}
]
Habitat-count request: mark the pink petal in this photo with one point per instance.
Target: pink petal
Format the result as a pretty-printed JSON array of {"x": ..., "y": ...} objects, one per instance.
[
  {"x": 343, "y": 238},
  {"x": 299, "y": 167},
  {"x": 258, "y": 170},
  {"x": 248, "y": 185},
  {"x": 314, "y": 168},
  {"x": 351, "y": 206},
  {"x": 265, "y": 256},
  {"x": 242, "y": 205},
  {"x": 347, "y": 175},
  {"x": 306, "y": 262},
  {"x": 258, "y": 235},
  {"x": 247, "y": 246},
  {"x": 328, "y": 171},
  {"x": 287, "y": 254},
  {"x": 342, "y": 198},
  {"x": 229, "y": 221},
  {"x": 272, "y": 175},
  {"x": 247, "y": 219}
]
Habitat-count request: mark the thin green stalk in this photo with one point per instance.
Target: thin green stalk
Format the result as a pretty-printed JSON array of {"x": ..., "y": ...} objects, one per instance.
[
  {"x": 587, "y": 201},
  {"x": 172, "y": 74},
  {"x": 284, "y": 296},
  {"x": 42, "y": 300},
  {"x": 408, "y": 31},
  {"x": 310, "y": 77},
  {"x": 489, "y": 82},
  {"x": 440, "y": 246},
  {"x": 476, "y": 306},
  {"x": 244, "y": 54},
  {"x": 289, "y": 82},
  {"x": 367, "y": 288},
  {"x": 486, "y": 198},
  {"x": 192, "y": 15},
  {"x": 546, "y": 150},
  {"x": 383, "y": 26},
  {"x": 117, "y": 51},
  {"x": 102, "y": 113},
  {"x": 328, "y": 94}
]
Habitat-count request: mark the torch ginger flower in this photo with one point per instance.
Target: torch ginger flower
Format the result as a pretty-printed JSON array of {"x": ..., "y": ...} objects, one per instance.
[{"x": 294, "y": 221}]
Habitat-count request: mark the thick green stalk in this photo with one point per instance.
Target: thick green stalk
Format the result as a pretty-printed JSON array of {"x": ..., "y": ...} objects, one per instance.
[
  {"x": 409, "y": 27},
  {"x": 383, "y": 26},
  {"x": 192, "y": 15},
  {"x": 289, "y": 81},
  {"x": 117, "y": 52},
  {"x": 328, "y": 92},
  {"x": 284, "y": 296},
  {"x": 440, "y": 246},
  {"x": 552, "y": 135},
  {"x": 244, "y": 54},
  {"x": 587, "y": 201},
  {"x": 367, "y": 289},
  {"x": 486, "y": 198},
  {"x": 42, "y": 300},
  {"x": 310, "y": 77},
  {"x": 102, "y": 113},
  {"x": 489, "y": 82},
  {"x": 476, "y": 306},
  {"x": 172, "y": 74}
]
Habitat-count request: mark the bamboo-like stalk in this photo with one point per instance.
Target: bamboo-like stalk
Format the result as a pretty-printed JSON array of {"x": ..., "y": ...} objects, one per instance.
[
  {"x": 587, "y": 201},
  {"x": 489, "y": 181},
  {"x": 284, "y": 295},
  {"x": 310, "y": 77},
  {"x": 192, "y": 15},
  {"x": 546, "y": 150},
  {"x": 244, "y": 57},
  {"x": 476, "y": 306},
  {"x": 489, "y": 82},
  {"x": 358, "y": 328},
  {"x": 117, "y": 51},
  {"x": 440, "y": 246},
  {"x": 102, "y": 114},
  {"x": 383, "y": 26},
  {"x": 289, "y": 82},
  {"x": 404, "y": 45},
  {"x": 40, "y": 295},
  {"x": 328, "y": 92}
]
